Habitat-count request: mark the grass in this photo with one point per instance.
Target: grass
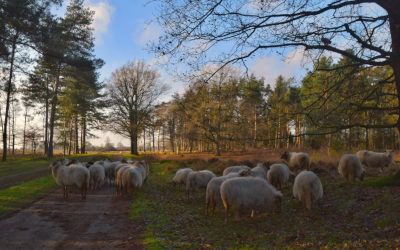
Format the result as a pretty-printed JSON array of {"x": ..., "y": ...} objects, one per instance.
[
  {"x": 15, "y": 197},
  {"x": 350, "y": 215},
  {"x": 16, "y": 166}
]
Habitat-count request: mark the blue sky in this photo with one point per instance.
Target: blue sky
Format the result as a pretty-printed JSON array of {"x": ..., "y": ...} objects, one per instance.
[{"x": 124, "y": 27}]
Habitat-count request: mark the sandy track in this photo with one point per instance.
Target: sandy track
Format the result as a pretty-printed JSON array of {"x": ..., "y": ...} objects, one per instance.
[{"x": 100, "y": 222}]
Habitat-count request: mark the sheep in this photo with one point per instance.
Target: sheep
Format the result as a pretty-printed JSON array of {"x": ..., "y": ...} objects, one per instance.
[
  {"x": 97, "y": 176},
  {"x": 118, "y": 177},
  {"x": 213, "y": 195},
  {"x": 307, "y": 188},
  {"x": 198, "y": 180},
  {"x": 72, "y": 175},
  {"x": 146, "y": 167},
  {"x": 260, "y": 170},
  {"x": 249, "y": 193},
  {"x": 350, "y": 168},
  {"x": 132, "y": 177},
  {"x": 376, "y": 160},
  {"x": 297, "y": 160},
  {"x": 278, "y": 175},
  {"x": 143, "y": 170},
  {"x": 109, "y": 168},
  {"x": 235, "y": 169},
  {"x": 181, "y": 175}
]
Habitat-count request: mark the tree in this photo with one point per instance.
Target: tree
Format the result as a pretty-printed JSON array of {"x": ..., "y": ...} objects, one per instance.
[
  {"x": 68, "y": 40},
  {"x": 242, "y": 29},
  {"x": 133, "y": 91},
  {"x": 21, "y": 22}
]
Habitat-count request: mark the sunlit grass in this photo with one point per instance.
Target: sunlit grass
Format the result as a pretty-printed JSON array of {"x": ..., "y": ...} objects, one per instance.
[{"x": 17, "y": 196}]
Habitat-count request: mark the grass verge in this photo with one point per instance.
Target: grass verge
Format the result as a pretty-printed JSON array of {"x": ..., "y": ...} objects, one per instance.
[{"x": 15, "y": 197}]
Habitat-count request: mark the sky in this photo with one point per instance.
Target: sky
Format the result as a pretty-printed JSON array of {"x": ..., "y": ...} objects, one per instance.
[{"x": 124, "y": 27}]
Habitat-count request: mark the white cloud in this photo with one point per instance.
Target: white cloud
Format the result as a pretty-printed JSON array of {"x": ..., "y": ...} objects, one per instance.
[
  {"x": 103, "y": 12},
  {"x": 270, "y": 67},
  {"x": 150, "y": 32}
]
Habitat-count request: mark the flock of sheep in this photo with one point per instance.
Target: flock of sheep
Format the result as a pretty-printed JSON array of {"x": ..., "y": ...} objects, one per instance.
[
  {"x": 125, "y": 175},
  {"x": 240, "y": 188},
  {"x": 256, "y": 190}
]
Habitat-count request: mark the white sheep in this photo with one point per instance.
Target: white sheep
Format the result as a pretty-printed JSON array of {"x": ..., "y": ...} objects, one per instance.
[
  {"x": 375, "y": 159},
  {"x": 279, "y": 174},
  {"x": 132, "y": 177},
  {"x": 118, "y": 177},
  {"x": 297, "y": 160},
  {"x": 181, "y": 175},
  {"x": 260, "y": 170},
  {"x": 72, "y": 175},
  {"x": 97, "y": 175},
  {"x": 249, "y": 194},
  {"x": 235, "y": 169},
  {"x": 213, "y": 195},
  {"x": 350, "y": 168},
  {"x": 198, "y": 180},
  {"x": 307, "y": 188}
]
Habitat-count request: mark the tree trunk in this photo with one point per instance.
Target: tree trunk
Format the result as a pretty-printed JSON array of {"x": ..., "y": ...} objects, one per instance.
[
  {"x": 8, "y": 90},
  {"x": 24, "y": 132},
  {"x": 46, "y": 121},
  {"x": 134, "y": 146},
  {"x": 53, "y": 113},
  {"x": 83, "y": 135},
  {"x": 76, "y": 135}
]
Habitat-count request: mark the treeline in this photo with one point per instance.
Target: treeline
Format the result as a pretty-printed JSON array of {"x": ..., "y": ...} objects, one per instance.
[
  {"x": 47, "y": 63},
  {"x": 333, "y": 107}
]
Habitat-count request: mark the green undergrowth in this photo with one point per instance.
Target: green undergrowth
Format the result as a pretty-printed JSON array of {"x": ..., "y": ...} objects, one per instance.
[
  {"x": 385, "y": 181},
  {"x": 350, "y": 215},
  {"x": 16, "y": 197}
]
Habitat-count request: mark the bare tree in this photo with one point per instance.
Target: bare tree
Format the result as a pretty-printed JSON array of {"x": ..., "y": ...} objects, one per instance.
[
  {"x": 133, "y": 91},
  {"x": 366, "y": 31}
]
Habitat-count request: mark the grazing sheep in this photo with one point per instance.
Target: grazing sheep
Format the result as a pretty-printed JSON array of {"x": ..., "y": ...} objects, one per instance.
[
  {"x": 72, "y": 175},
  {"x": 376, "y": 160},
  {"x": 350, "y": 168},
  {"x": 278, "y": 175},
  {"x": 297, "y": 160},
  {"x": 198, "y": 180},
  {"x": 260, "y": 170},
  {"x": 97, "y": 176},
  {"x": 181, "y": 175},
  {"x": 307, "y": 188},
  {"x": 213, "y": 195},
  {"x": 235, "y": 169},
  {"x": 132, "y": 177},
  {"x": 249, "y": 193}
]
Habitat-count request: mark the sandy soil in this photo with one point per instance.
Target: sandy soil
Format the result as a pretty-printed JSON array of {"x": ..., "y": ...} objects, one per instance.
[{"x": 100, "y": 222}]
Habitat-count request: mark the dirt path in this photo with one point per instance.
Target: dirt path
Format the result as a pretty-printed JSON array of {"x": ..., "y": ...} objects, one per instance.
[{"x": 100, "y": 222}]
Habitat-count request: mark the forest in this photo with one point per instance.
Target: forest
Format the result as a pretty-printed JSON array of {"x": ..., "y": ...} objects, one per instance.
[{"x": 50, "y": 80}]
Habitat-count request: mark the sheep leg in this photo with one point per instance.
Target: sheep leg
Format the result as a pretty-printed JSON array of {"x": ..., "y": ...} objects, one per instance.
[{"x": 226, "y": 213}]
